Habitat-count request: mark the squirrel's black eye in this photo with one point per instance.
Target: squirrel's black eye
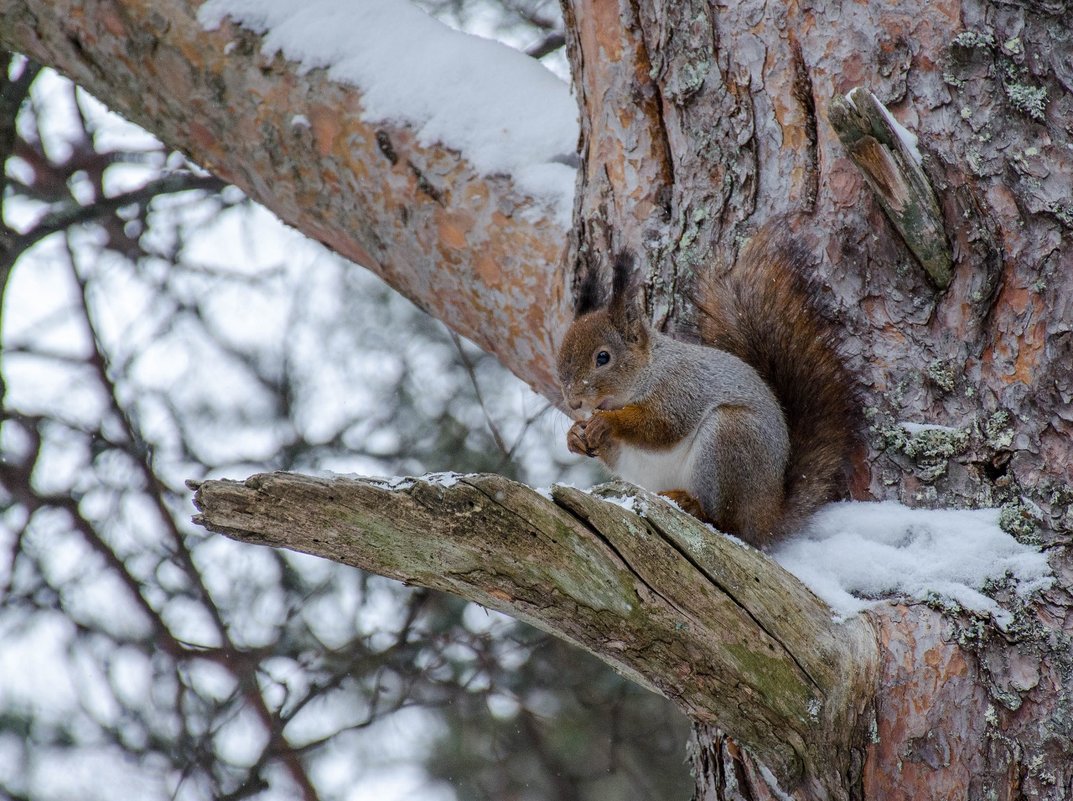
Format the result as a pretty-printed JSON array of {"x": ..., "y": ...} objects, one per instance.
[{"x": 602, "y": 358}]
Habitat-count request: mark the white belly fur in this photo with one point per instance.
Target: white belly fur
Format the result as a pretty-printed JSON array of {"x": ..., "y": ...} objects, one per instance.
[{"x": 658, "y": 471}]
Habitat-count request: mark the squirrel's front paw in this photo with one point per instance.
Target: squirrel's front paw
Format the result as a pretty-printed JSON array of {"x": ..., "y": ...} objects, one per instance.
[
  {"x": 597, "y": 434},
  {"x": 575, "y": 439},
  {"x": 589, "y": 437}
]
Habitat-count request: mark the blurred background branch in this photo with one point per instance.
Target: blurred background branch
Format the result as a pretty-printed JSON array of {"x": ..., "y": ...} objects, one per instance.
[{"x": 153, "y": 330}]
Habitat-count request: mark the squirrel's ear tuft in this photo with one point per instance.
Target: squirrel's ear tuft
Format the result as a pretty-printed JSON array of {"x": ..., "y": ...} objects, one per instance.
[
  {"x": 622, "y": 277},
  {"x": 589, "y": 294},
  {"x": 626, "y": 307}
]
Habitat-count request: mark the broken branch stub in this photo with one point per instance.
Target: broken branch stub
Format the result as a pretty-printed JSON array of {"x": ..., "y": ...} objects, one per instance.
[{"x": 892, "y": 170}]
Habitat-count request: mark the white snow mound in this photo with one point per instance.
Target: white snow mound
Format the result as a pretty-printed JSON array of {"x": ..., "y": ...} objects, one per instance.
[{"x": 854, "y": 554}]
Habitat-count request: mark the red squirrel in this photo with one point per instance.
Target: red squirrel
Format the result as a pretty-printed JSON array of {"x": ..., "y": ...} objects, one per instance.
[{"x": 751, "y": 430}]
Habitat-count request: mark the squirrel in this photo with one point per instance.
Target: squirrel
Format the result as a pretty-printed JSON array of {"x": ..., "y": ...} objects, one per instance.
[{"x": 753, "y": 429}]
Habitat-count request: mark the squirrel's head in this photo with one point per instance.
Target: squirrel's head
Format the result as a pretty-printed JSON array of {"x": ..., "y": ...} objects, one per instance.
[{"x": 606, "y": 348}]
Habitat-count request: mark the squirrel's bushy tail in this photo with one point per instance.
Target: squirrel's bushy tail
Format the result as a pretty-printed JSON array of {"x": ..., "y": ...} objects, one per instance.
[{"x": 764, "y": 310}]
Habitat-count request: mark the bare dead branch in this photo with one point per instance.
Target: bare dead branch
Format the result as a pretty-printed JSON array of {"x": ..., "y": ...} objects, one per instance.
[{"x": 691, "y": 614}]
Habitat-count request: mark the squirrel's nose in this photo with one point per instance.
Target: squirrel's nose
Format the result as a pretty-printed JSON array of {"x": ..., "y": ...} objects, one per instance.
[{"x": 575, "y": 405}]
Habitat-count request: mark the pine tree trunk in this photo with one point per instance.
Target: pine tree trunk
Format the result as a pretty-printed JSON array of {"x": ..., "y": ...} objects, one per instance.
[
  {"x": 699, "y": 123},
  {"x": 734, "y": 116}
]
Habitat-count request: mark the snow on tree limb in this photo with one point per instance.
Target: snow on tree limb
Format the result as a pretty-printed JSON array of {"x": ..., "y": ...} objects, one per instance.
[
  {"x": 470, "y": 248},
  {"x": 714, "y": 625},
  {"x": 504, "y": 111}
]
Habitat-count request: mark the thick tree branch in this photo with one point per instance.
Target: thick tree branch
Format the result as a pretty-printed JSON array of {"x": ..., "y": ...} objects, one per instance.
[
  {"x": 712, "y": 624},
  {"x": 472, "y": 250}
]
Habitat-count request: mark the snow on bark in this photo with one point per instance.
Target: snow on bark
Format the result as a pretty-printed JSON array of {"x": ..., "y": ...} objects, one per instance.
[
  {"x": 472, "y": 249},
  {"x": 504, "y": 111},
  {"x": 853, "y": 554},
  {"x": 699, "y": 121}
]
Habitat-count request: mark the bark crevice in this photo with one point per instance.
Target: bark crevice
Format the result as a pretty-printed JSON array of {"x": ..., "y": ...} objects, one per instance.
[{"x": 757, "y": 620}]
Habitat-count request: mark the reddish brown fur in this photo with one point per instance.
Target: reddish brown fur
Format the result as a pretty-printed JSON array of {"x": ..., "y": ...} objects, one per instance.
[
  {"x": 687, "y": 503},
  {"x": 637, "y": 425},
  {"x": 764, "y": 311}
]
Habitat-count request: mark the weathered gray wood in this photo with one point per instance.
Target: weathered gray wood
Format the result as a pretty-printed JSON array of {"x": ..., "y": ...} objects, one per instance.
[
  {"x": 707, "y": 621},
  {"x": 895, "y": 177}
]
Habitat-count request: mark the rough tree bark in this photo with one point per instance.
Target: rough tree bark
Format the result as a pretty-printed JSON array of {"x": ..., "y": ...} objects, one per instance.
[{"x": 700, "y": 121}]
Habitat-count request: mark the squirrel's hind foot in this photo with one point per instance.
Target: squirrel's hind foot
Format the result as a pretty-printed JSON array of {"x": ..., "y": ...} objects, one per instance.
[{"x": 687, "y": 503}]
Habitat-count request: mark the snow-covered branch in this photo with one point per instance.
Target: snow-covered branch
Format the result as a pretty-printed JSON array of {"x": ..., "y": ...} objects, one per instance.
[
  {"x": 703, "y": 619},
  {"x": 386, "y": 159}
]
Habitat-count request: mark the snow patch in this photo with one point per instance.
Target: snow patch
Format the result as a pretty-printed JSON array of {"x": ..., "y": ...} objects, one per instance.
[
  {"x": 916, "y": 428},
  {"x": 446, "y": 480},
  {"x": 854, "y": 554},
  {"x": 639, "y": 506},
  {"x": 504, "y": 111},
  {"x": 403, "y": 483},
  {"x": 400, "y": 483}
]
